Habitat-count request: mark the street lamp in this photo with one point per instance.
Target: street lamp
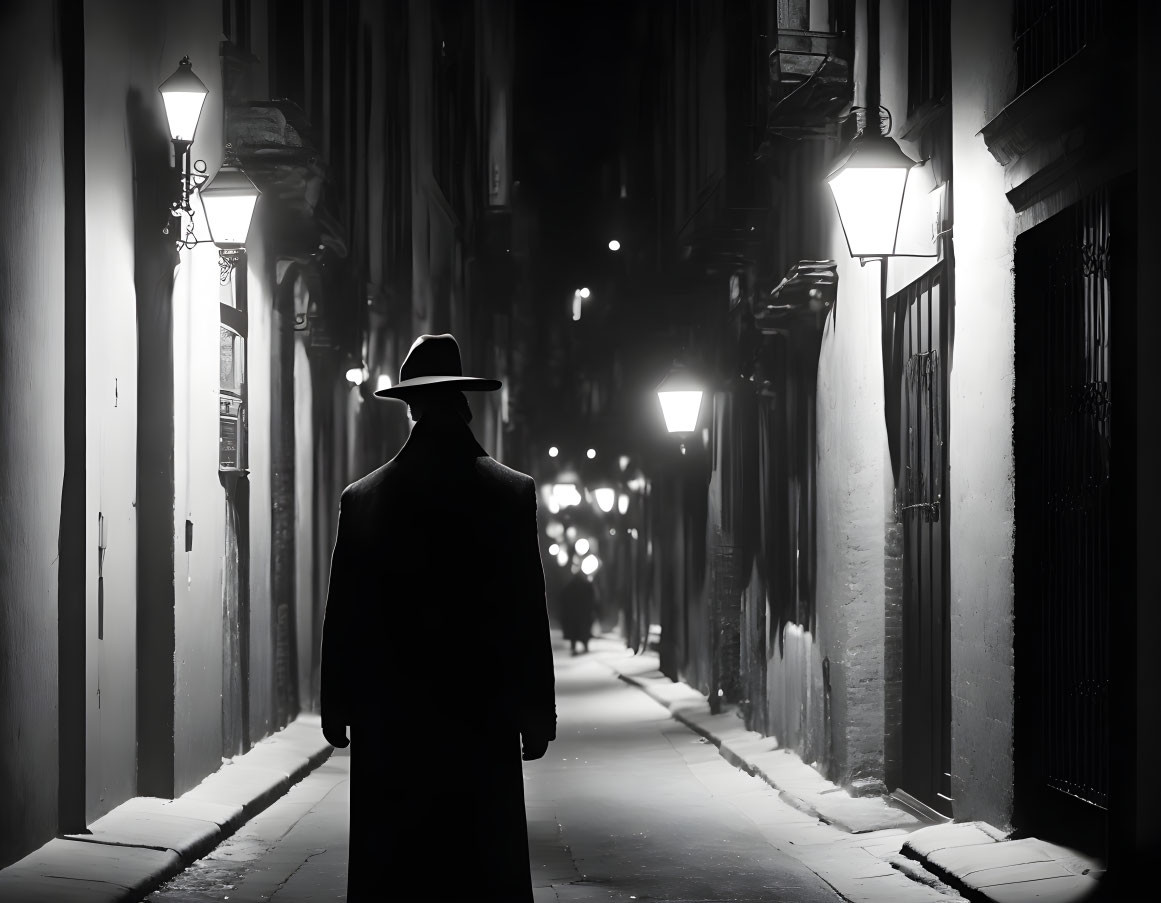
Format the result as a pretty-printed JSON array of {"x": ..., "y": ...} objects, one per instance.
[
  {"x": 680, "y": 395},
  {"x": 183, "y": 94},
  {"x": 229, "y": 199},
  {"x": 868, "y": 186}
]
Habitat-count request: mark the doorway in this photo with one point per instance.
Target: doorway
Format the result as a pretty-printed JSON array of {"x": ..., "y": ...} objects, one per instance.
[
  {"x": 921, "y": 344},
  {"x": 1066, "y": 529}
]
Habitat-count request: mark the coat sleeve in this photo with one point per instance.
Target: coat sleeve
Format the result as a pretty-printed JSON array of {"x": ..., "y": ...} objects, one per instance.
[
  {"x": 537, "y": 689},
  {"x": 335, "y": 677}
]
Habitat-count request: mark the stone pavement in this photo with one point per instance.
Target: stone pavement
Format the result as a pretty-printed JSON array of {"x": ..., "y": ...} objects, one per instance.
[
  {"x": 146, "y": 840},
  {"x": 973, "y": 859},
  {"x": 627, "y": 806}
]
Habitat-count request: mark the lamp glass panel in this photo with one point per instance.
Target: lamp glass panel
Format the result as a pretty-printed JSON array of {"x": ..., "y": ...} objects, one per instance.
[
  {"x": 680, "y": 409},
  {"x": 183, "y": 109},
  {"x": 868, "y": 201},
  {"x": 606, "y": 498},
  {"x": 228, "y": 216}
]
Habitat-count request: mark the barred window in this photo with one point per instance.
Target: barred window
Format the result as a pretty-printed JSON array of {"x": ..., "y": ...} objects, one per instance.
[{"x": 929, "y": 52}]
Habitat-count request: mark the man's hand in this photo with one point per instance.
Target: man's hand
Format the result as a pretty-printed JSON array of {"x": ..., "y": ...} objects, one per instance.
[
  {"x": 534, "y": 747},
  {"x": 335, "y": 733}
]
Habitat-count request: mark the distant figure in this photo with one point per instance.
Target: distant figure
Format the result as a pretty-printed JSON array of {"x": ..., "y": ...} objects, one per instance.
[
  {"x": 438, "y": 545},
  {"x": 578, "y": 602}
]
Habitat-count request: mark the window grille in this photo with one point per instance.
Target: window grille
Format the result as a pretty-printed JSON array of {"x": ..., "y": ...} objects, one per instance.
[
  {"x": 928, "y": 52},
  {"x": 1049, "y": 32}
]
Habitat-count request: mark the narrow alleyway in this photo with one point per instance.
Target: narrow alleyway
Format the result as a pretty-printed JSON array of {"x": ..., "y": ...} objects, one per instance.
[{"x": 628, "y": 805}]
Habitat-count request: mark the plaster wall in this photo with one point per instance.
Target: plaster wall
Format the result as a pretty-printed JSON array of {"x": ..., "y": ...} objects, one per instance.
[
  {"x": 32, "y": 391},
  {"x": 121, "y": 107},
  {"x": 980, "y": 387},
  {"x": 200, "y": 500},
  {"x": 259, "y": 327},
  {"x": 307, "y": 606},
  {"x": 853, "y": 480}
]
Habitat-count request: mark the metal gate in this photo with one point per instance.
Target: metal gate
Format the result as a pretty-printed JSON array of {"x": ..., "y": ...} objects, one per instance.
[
  {"x": 921, "y": 338},
  {"x": 1064, "y": 526}
]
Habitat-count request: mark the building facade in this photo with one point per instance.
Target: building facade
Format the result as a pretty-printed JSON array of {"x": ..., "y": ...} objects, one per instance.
[
  {"x": 179, "y": 423},
  {"x": 904, "y": 540}
]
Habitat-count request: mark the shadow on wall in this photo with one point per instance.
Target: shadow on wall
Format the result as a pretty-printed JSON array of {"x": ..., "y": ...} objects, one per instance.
[{"x": 155, "y": 259}]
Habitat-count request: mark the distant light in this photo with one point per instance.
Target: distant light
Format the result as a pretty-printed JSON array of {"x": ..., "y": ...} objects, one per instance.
[
  {"x": 553, "y": 549},
  {"x": 606, "y": 498},
  {"x": 582, "y": 546},
  {"x": 590, "y": 564},
  {"x": 383, "y": 383},
  {"x": 576, "y": 306},
  {"x": 553, "y": 451},
  {"x": 555, "y": 529},
  {"x": 623, "y": 462},
  {"x": 614, "y": 245},
  {"x": 623, "y": 503},
  {"x": 562, "y": 558},
  {"x": 591, "y": 453},
  {"x": 566, "y": 494},
  {"x": 570, "y": 533},
  {"x": 584, "y": 293},
  {"x": 612, "y": 531},
  {"x": 355, "y": 376}
]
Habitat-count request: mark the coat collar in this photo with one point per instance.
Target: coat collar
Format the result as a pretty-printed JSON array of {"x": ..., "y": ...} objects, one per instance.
[{"x": 445, "y": 437}]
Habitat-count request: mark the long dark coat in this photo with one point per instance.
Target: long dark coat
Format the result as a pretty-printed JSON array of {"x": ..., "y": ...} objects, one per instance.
[
  {"x": 436, "y": 651},
  {"x": 578, "y": 603}
]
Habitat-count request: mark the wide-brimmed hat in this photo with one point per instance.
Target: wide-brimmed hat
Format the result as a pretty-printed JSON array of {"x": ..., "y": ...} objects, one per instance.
[{"x": 434, "y": 363}]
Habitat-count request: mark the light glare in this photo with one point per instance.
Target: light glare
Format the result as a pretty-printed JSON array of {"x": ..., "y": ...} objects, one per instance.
[
  {"x": 553, "y": 549},
  {"x": 614, "y": 245},
  {"x": 869, "y": 203},
  {"x": 606, "y": 498},
  {"x": 623, "y": 503},
  {"x": 582, "y": 546},
  {"x": 591, "y": 453},
  {"x": 680, "y": 409},
  {"x": 383, "y": 383},
  {"x": 566, "y": 494},
  {"x": 590, "y": 564},
  {"x": 553, "y": 451},
  {"x": 355, "y": 376}
]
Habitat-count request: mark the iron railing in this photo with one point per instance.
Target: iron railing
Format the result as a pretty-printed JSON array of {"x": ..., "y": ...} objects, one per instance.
[{"x": 1075, "y": 580}]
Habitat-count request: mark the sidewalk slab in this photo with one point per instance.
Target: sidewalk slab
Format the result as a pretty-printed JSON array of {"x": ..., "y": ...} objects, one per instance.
[
  {"x": 907, "y": 860},
  {"x": 137, "y": 846},
  {"x": 71, "y": 871},
  {"x": 145, "y": 822}
]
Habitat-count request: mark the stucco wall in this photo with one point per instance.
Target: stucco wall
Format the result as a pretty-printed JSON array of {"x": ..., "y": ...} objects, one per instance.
[
  {"x": 32, "y": 389},
  {"x": 852, "y": 481},
  {"x": 259, "y": 328},
  {"x": 980, "y": 390},
  {"x": 120, "y": 100}
]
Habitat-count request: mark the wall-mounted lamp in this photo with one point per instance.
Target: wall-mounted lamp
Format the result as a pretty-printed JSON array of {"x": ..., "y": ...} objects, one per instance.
[
  {"x": 229, "y": 199},
  {"x": 868, "y": 186},
  {"x": 184, "y": 94},
  {"x": 680, "y": 395}
]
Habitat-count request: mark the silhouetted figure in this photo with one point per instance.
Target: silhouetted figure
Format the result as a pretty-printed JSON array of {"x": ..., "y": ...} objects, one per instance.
[
  {"x": 437, "y": 546},
  {"x": 578, "y": 604}
]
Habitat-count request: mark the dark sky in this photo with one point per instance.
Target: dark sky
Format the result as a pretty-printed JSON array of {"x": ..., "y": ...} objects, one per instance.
[{"x": 572, "y": 65}]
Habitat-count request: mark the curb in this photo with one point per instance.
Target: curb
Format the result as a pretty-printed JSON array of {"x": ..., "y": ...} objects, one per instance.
[
  {"x": 138, "y": 846},
  {"x": 972, "y": 861}
]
